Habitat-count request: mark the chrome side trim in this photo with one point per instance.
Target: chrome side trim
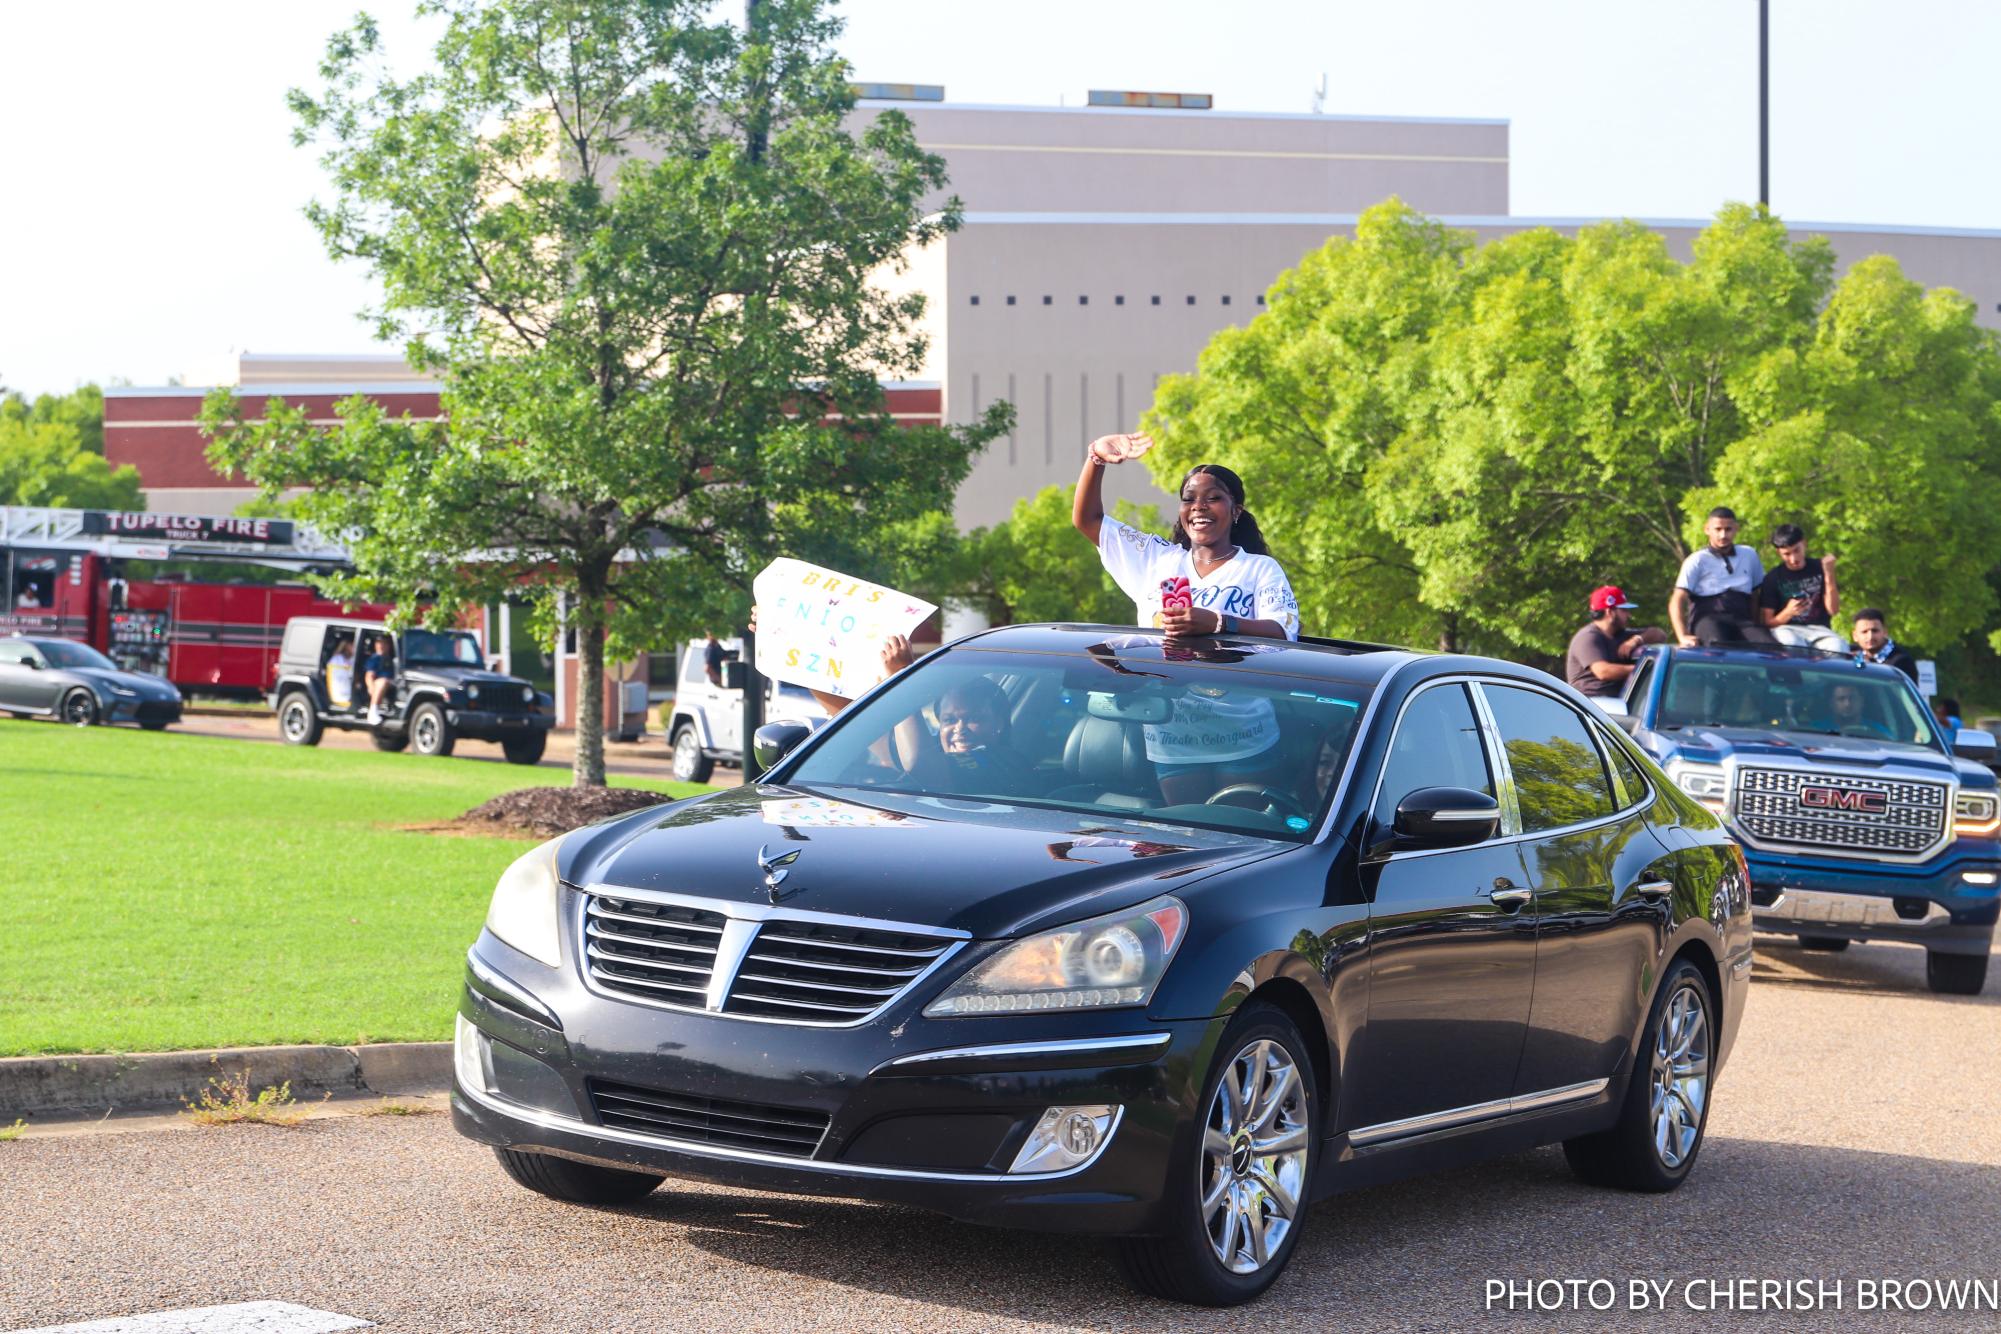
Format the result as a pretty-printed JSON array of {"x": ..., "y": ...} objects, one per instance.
[
  {"x": 1464, "y": 816},
  {"x": 1479, "y": 1111},
  {"x": 573, "y": 1126},
  {"x": 1055, "y": 1047}
]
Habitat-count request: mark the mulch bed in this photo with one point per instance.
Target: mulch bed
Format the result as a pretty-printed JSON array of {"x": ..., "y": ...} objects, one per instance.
[{"x": 544, "y": 812}]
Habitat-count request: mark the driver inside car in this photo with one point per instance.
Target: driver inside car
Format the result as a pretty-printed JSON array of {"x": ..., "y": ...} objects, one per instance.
[{"x": 1844, "y": 714}]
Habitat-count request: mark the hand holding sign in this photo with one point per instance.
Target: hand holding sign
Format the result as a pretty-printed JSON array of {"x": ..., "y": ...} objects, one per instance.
[{"x": 820, "y": 629}]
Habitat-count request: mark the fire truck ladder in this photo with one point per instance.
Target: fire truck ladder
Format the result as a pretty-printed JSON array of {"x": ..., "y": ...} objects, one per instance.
[{"x": 29, "y": 524}]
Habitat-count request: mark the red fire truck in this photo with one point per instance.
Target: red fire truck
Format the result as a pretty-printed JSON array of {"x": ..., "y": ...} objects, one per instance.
[{"x": 200, "y": 600}]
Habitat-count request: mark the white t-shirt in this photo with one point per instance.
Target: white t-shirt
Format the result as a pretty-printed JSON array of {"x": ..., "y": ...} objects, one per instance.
[
  {"x": 1203, "y": 730},
  {"x": 1704, "y": 574},
  {"x": 340, "y": 681}
]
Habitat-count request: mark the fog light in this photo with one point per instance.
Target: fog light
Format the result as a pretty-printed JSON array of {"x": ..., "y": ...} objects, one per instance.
[
  {"x": 470, "y": 1056},
  {"x": 1980, "y": 877},
  {"x": 1064, "y": 1137}
]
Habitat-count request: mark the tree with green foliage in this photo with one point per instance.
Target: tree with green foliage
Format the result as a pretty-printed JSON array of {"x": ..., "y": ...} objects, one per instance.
[
  {"x": 1034, "y": 567},
  {"x": 81, "y": 409},
  {"x": 52, "y": 453},
  {"x": 645, "y": 252},
  {"x": 1450, "y": 443}
]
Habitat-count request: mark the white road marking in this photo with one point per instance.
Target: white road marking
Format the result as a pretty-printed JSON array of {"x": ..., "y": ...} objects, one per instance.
[{"x": 236, "y": 1318}]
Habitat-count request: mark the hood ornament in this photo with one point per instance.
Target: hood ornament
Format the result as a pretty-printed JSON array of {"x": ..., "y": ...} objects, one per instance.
[{"x": 775, "y": 869}]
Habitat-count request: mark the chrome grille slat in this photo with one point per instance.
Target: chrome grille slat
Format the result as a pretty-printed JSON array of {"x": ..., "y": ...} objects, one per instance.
[
  {"x": 1769, "y": 806},
  {"x": 804, "y": 968}
]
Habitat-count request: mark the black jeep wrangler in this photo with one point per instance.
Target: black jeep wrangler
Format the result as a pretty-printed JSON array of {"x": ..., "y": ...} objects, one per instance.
[{"x": 441, "y": 690}]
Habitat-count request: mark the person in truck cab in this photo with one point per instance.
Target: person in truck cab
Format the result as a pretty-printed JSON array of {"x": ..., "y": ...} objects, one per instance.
[
  {"x": 340, "y": 675},
  {"x": 1797, "y": 600},
  {"x": 379, "y": 674},
  {"x": 1843, "y": 711},
  {"x": 1712, "y": 598},
  {"x": 1873, "y": 643}
]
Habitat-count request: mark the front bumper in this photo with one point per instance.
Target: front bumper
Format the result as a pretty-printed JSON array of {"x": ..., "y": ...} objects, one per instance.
[
  {"x": 161, "y": 711},
  {"x": 482, "y": 724},
  {"x": 1935, "y": 905},
  {"x": 937, "y": 1134}
]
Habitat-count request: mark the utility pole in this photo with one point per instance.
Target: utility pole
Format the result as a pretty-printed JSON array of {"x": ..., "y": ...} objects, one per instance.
[
  {"x": 753, "y": 683},
  {"x": 1764, "y": 103}
]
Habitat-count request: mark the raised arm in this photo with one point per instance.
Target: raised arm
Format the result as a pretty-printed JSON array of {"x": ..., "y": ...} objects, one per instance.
[
  {"x": 1087, "y": 503},
  {"x": 1828, "y": 592}
]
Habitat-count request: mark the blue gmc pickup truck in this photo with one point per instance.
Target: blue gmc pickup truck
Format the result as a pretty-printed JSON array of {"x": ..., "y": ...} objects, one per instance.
[{"x": 1860, "y": 819}]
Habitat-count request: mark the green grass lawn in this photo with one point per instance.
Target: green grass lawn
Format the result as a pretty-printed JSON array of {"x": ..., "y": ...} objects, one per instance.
[{"x": 170, "y": 891}]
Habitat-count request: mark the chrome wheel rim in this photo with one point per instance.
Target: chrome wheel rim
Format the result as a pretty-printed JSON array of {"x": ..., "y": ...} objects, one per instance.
[
  {"x": 1254, "y": 1146},
  {"x": 1680, "y": 1075},
  {"x": 295, "y": 720},
  {"x": 427, "y": 733},
  {"x": 684, "y": 755},
  {"x": 81, "y": 710}
]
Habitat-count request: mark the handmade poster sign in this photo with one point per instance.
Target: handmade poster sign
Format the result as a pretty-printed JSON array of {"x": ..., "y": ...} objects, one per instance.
[{"x": 820, "y": 629}]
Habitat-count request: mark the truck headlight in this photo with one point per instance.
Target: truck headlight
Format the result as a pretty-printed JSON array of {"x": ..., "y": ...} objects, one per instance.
[
  {"x": 472, "y": 692},
  {"x": 528, "y": 694},
  {"x": 1704, "y": 782},
  {"x": 523, "y": 912},
  {"x": 1113, "y": 960},
  {"x": 1976, "y": 813}
]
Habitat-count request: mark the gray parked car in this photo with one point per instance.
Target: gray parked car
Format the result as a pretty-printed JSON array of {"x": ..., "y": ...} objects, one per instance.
[{"x": 74, "y": 683}]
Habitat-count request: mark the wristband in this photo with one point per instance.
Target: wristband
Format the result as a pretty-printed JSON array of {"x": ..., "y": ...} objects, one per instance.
[{"x": 1225, "y": 625}]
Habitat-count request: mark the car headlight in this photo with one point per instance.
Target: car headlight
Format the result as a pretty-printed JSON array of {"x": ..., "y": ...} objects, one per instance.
[
  {"x": 472, "y": 692},
  {"x": 122, "y": 692},
  {"x": 1704, "y": 782},
  {"x": 1976, "y": 812},
  {"x": 1112, "y": 960},
  {"x": 523, "y": 912},
  {"x": 528, "y": 694}
]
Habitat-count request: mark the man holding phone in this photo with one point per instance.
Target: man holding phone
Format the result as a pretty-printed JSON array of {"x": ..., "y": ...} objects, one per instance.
[{"x": 1798, "y": 598}]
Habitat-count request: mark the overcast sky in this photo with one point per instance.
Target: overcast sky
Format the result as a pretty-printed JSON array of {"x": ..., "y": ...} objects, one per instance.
[{"x": 151, "y": 226}]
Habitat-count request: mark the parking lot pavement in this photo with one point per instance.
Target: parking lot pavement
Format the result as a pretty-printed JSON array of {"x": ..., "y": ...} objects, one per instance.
[
  {"x": 1852, "y": 1137},
  {"x": 644, "y": 758}
]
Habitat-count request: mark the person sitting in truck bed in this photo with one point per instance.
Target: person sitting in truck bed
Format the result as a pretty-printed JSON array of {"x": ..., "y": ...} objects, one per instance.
[
  {"x": 1797, "y": 600},
  {"x": 1712, "y": 598}
]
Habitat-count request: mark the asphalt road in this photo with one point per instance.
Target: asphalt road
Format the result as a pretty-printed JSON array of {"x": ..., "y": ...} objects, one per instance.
[{"x": 1856, "y": 1135}]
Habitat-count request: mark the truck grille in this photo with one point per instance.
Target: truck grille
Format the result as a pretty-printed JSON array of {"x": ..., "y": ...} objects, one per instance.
[
  {"x": 797, "y": 970},
  {"x": 792, "y": 1131},
  {"x": 1812, "y": 811}
]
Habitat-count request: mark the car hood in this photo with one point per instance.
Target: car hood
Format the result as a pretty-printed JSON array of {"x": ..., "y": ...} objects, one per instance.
[
  {"x": 146, "y": 687},
  {"x": 460, "y": 676},
  {"x": 986, "y": 869},
  {"x": 1712, "y": 745}
]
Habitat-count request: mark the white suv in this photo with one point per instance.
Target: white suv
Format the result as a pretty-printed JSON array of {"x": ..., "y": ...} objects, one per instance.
[{"x": 707, "y": 722}]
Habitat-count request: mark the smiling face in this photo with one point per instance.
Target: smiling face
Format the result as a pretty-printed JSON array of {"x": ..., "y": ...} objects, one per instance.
[
  {"x": 966, "y": 723},
  {"x": 1722, "y": 532},
  {"x": 1207, "y": 510}
]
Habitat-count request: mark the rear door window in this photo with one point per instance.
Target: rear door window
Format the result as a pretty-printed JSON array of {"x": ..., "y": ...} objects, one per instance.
[{"x": 1560, "y": 777}]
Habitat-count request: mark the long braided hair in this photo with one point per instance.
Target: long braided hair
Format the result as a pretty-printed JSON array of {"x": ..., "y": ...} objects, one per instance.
[{"x": 1244, "y": 532}]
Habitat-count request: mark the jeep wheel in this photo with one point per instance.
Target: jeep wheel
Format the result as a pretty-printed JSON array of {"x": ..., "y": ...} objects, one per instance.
[
  {"x": 1955, "y": 974},
  {"x": 1830, "y": 944},
  {"x": 577, "y": 1183},
  {"x": 390, "y": 741},
  {"x": 430, "y": 734},
  {"x": 80, "y": 708},
  {"x": 690, "y": 765},
  {"x": 298, "y": 725},
  {"x": 1652, "y": 1146},
  {"x": 525, "y": 749}
]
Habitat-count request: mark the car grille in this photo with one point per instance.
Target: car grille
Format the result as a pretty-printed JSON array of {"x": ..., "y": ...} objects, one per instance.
[
  {"x": 661, "y": 951},
  {"x": 792, "y": 1131},
  {"x": 1910, "y": 819},
  {"x": 157, "y": 711},
  {"x": 779, "y": 968}
]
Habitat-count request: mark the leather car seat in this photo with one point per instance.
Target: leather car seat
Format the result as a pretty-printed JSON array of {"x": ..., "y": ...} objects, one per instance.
[{"x": 1105, "y": 759}]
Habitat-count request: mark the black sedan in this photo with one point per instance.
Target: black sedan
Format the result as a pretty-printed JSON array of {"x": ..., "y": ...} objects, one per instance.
[
  {"x": 1067, "y": 928},
  {"x": 74, "y": 683}
]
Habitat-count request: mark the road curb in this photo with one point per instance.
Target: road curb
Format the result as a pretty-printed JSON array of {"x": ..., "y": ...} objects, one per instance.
[{"x": 75, "y": 1085}]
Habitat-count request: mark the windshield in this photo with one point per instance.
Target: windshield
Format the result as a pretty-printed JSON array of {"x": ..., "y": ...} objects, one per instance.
[
  {"x": 441, "y": 648},
  {"x": 1832, "y": 698},
  {"x": 63, "y": 653},
  {"x": 1195, "y": 743}
]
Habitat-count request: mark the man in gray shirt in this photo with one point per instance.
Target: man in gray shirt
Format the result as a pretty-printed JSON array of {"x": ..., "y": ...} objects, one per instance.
[{"x": 1712, "y": 599}]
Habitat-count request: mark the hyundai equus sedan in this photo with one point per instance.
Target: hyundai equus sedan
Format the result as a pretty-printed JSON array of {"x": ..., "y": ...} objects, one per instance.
[{"x": 1067, "y": 928}]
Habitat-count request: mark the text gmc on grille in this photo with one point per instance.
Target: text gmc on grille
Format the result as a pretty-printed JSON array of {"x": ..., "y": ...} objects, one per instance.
[
  {"x": 793, "y": 971},
  {"x": 1888, "y": 817}
]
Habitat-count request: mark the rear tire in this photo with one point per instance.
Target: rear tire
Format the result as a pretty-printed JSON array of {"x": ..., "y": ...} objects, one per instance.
[
  {"x": 573, "y": 1182},
  {"x": 1261, "y": 1052},
  {"x": 525, "y": 750},
  {"x": 1831, "y": 944},
  {"x": 390, "y": 741},
  {"x": 1955, "y": 974},
  {"x": 1653, "y": 1145},
  {"x": 298, "y": 724},
  {"x": 690, "y": 764},
  {"x": 79, "y": 709},
  {"x": 429, "y": 733}
]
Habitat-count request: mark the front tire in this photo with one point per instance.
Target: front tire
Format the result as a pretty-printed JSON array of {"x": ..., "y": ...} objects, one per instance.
[
  {"x": 298, "y": 724},
  {"x": 429, "y": 733},
  {"x": 526, "y": 749},
  {"x": 389, "y": 741},
  {"x": 573, "y": 1182},
  {"x": 1829, "y": 944},
  {"x": 1955, "y": 974},
  {"x": 80, "y": 709},
  {"x": 1236, "y": 1201},
  {"x": 690, "y": 764},
  {"x": 1653, "y": 1145}
]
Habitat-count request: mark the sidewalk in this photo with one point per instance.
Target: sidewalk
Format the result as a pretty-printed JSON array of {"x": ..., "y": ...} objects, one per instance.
[{"x": 644, "y": 758}]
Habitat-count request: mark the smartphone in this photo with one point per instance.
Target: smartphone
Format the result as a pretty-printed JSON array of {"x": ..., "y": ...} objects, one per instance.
[{"x": 1176, "y": 594}]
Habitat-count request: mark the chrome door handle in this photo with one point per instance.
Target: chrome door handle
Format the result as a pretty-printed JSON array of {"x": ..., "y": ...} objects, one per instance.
[
  {"x": 1508, "y": 894},
  {"x": 1653, "y": 889}
]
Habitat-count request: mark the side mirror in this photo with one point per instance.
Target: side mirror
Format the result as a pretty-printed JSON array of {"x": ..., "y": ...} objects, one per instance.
[
  {"x": 32, "y": 664},
  {"x": 1445, "y": 817},
  {"x": 1972, "y": 744},
  {"x": 736, "y": 675},
  {"x": 774, "y": 741},
  {"x": 1609, "y": 706}
]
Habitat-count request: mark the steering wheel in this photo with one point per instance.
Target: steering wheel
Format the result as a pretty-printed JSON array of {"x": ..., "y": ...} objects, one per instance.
[{"x": 1273, "y": 802}]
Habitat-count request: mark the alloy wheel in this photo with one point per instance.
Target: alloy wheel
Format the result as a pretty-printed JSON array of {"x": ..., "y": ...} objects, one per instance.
[
  {"x": 1254, "y": 1147},
  {"x": 1680, "y": 1075},
  {"x": 79, "y": 709},
  {"x": 294, "y": 720}
]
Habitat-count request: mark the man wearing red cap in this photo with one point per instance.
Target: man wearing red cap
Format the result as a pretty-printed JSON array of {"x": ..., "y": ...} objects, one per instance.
[{"x": 1601, "y": 654}]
